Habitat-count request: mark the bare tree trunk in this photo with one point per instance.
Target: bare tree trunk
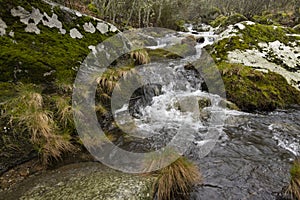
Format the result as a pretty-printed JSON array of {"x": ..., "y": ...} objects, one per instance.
[
  {"x": 131, "y": 12},
  {"x": 297, "y": 11},
  {"x": 159, "y": 12},
  {"x": 140, "y": 10}
]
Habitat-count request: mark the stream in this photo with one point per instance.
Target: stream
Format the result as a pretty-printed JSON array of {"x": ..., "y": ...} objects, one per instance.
[
  {"x": 252, "y": 157},
  {"x": 253, "y": 152}
]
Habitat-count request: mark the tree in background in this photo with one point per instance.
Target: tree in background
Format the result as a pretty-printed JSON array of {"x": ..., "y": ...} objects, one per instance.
[{"x": 167, "y": 13}]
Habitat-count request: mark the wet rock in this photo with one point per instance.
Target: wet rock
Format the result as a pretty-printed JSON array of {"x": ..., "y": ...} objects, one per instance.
[
  {"x": 194, "y": 104},
  {"x": 227, "y": 104},
  {"x": 142, "y": 97},
  {"x": 200, "y": 40},
  {"x": 84, "y": 181},
  {"x": 190, "y": 40}
]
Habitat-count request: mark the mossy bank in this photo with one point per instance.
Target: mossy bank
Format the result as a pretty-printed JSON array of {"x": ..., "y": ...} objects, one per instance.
[
  {"x": 260, "y": 65},
  {"x": 42, "y": 47}
]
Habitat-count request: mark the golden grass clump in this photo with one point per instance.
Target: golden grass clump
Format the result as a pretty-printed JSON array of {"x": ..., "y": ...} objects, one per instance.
[
  {"x": 177, "y": 180},
  {"x": 27, "y": 115},
  {"x": 294, "y": 187},
  {"x": 109, "y": 80},
  {"x": 140, "y": 57},
  {"x": 64, "y": 110}
]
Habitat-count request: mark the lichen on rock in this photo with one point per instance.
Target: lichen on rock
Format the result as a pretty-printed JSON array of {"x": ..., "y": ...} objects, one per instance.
[
  {"x": 74, "y": 33},
  {"x": 89, "y": 27}
]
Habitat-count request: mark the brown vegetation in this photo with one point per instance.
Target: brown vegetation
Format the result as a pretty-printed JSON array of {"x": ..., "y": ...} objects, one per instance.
[{"x": 176, "y": 180}]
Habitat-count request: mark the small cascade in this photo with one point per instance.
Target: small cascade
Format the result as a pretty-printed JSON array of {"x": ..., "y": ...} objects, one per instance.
[{"x": 173, "y": 97}]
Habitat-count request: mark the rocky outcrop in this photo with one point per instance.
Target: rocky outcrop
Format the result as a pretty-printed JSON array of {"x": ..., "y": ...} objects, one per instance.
[
  {"x": 272, "y": 52},
  {"x": 84, "y": 181}
]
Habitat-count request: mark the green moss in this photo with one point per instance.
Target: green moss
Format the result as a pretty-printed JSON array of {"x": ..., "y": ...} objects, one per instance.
[
  {"x": 265, "y": 19},
  {"x": 224, "y": 21},
  {"x": 7, "y": 91},
  {"x": 220, "y": 20},
  {"x": 45, "y": 66},
  {"x": 253, "y": 90},
  {"x": 93, "y": 9},
  {"x": 295, "y": 170},
  {"x": 294, "y": 187},
  {"x": 280, "y": 18},
  {"x": 297, "y": 28},
  {"x": 180, "y": 25},
  {"x": 159, "y": 54},
  {"x": 172, "y": 52},
  {"x": 28, "y": 57}
]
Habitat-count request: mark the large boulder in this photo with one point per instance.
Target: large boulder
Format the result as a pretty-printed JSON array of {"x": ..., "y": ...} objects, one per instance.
[{"x": 84, "y": 181}]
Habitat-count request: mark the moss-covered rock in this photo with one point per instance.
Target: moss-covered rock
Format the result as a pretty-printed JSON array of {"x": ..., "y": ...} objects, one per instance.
[
  {"x": 224, "y": 21},
  {"x": 218, "y": 21},
  {"x": 280, "y": 18},
  {"x": 180, "y": 26},
  {"x": 248, "y": 35},
  {"x": 253, "y": 90},
  {"x": 210, "y": 15},
  {"x": 297, "y": 28},
  {"x": 173, "y": 52},
  {"x": 41, "y": 47}
]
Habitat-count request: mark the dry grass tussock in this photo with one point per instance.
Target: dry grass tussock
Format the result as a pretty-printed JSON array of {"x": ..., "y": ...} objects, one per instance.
[
  {"x": 140, "y": 57},
  {"x": 28, "y": 116},
  {"x": 177, "y": 180},
  {"x": 109, "y": 80}
]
